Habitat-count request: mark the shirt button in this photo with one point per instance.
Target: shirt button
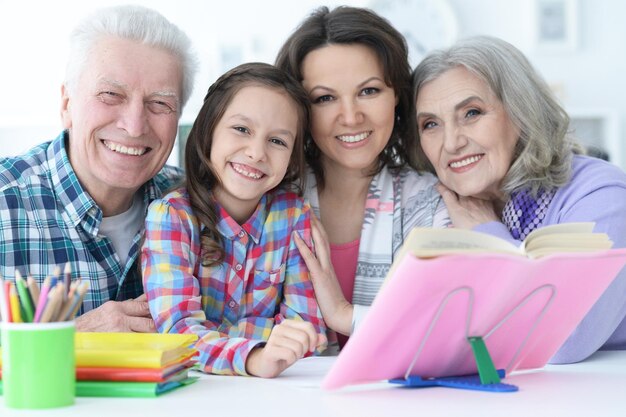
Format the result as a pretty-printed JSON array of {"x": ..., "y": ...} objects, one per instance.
[
  {"x": 241, "y": 233},
  {"x": 232, "y": 304},
  {"x": 238, "y": 267}
]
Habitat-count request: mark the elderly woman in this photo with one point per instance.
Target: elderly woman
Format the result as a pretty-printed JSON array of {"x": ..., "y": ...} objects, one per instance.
[{"x": 497, "y": 139}]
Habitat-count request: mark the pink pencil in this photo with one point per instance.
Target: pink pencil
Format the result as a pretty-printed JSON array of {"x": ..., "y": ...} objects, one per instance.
[{"x": 43, "y": 299}]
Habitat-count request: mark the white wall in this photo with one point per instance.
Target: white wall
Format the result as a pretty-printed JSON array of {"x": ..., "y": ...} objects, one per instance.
[
  {"x": 590, "y": 79},
  {"x": 33, "y": 45},
  {"x": 33, "y": 49}
]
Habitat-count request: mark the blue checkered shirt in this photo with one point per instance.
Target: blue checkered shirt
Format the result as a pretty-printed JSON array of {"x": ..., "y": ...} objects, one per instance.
[{"x": 48, "y": 219}]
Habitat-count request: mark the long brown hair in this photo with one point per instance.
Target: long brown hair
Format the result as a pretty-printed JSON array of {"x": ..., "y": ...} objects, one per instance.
[
  {"x": 359, "y": 26},
  {"x": 201, "y": 179}
]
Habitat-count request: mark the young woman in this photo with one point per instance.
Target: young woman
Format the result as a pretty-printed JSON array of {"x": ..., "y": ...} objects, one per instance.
[{"x": 363, "y": 181}]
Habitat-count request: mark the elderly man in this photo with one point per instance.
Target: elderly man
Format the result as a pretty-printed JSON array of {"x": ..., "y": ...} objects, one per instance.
[{"x": 81, "y": 198}]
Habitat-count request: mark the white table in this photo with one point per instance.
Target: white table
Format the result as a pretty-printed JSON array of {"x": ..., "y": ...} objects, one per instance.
[{"x": 596, "y": 387}]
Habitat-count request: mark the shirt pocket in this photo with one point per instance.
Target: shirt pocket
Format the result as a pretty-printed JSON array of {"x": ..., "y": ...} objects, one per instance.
[{"x": 268, "y": 291}]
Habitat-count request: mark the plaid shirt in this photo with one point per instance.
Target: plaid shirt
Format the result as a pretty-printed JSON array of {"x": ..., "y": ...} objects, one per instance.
[
  {"x": 233, "y": 306},
  {"x": 48, "y": 219}
]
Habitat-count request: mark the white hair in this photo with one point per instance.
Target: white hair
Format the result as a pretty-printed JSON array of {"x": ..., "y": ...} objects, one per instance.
[
  {"x": 543, "y": 153},
  {"x": 135, "y": 23}
]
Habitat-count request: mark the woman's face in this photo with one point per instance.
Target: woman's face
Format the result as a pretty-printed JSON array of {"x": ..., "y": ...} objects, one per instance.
[
  {"x": 352, "y": 109},
  {"x": 466, "y": 133}
]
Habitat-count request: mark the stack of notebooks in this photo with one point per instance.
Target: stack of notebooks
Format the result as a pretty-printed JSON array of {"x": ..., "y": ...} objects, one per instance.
[{"x": 132, "y": 364}]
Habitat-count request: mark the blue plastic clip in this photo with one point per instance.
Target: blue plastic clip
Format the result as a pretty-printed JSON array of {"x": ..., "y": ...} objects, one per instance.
[
  {"x": 471, "y": 382},
  {"x": 487, "y": 379}
]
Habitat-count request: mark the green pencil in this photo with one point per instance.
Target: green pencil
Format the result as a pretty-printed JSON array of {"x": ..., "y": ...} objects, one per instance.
[{"x": 28, "y": 309}]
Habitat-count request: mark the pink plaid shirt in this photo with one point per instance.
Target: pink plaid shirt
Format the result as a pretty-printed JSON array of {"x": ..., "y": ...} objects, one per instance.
[{"x": 232, "y": 307}]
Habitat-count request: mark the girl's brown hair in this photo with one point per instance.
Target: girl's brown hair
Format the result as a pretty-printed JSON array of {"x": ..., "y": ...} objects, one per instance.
[{"x": 201, "y": 179}]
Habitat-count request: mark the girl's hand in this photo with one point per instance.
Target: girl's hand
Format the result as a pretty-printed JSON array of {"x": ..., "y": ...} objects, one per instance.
[
  {"x": 336, "y": 310},
  {"x": 288, "y": 342},
  {"x": 467, "y": 212}
]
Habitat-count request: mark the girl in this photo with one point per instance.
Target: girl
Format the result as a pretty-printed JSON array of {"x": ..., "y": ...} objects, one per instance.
[{"x": 219, "y": 259}]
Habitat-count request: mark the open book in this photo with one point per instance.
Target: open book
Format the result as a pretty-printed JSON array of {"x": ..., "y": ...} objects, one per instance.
[
  {"x": 558, "y": 238},
  {"x": 447, "y": 286}
]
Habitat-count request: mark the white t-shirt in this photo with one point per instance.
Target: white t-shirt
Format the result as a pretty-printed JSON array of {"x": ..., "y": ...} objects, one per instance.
[{"x": 122, "y": 228}]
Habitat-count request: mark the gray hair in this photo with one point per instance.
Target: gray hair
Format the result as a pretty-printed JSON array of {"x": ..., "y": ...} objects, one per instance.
[
  {"x": 542, "y": 158},
  {"x": 135, "y": 23}
]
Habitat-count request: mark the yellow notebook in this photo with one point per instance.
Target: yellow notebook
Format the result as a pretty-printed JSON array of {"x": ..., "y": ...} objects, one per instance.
[{"x": 132, "y": 350}]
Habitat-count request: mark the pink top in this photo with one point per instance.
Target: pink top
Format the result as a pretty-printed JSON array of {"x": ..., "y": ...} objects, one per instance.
[{"x": 344, "y": 258}]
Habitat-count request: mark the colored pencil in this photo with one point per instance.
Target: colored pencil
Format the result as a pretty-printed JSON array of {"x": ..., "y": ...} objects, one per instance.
[
  {"x": 43, "y": 299},
  {"x": 28, "y": 308},
  {"x": 33, "y": 288},
  {"x": 67, "y": 277},
  {"x": 6, "y": 302},
  {"x": 58, "y": 299},
  {"x": 4, "y": 315},
  {"x": 15, "y": 304},
  {"x": 81, "y": 291},
  {"x": 68, "y": 307},
  {"x": 55, "y": 298}
]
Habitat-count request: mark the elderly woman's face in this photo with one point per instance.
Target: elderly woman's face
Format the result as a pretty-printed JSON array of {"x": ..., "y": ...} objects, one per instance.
[{"x": 466, "y": 133}]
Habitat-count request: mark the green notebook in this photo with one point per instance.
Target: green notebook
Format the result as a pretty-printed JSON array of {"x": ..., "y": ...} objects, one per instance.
[{"x": 128, "y": 389}]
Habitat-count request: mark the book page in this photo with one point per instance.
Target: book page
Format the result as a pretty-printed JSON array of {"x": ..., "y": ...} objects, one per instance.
[
  {"x": 582, "y": 227},
  {"x": 426, "y": 242},
  {"x": 566, "y": 237}
]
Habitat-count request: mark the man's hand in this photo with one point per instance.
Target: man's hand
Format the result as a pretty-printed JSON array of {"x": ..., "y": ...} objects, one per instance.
[
  {"x": 118, "y": 316},
  {"x": 288, "y": 342}
]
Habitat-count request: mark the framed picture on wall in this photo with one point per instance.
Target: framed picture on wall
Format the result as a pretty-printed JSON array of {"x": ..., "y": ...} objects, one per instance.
[{"x": 556, "y": 24}]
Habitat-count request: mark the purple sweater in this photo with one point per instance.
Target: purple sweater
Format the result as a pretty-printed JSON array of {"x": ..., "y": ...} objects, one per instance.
[{"x": 596, "y": 192}]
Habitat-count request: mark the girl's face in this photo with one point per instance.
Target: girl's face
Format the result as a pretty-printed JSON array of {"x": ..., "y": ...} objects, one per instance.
[
  {"x": 352, "y": 109},
  {"x": 466, "y": 133},
  {"x": 252, "y": 146}
]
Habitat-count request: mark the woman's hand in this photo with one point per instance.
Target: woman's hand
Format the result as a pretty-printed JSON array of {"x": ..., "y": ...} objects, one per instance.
[
  {"x": 337, "y": 311},
  {"x": 288, "y": 342},
  {"x": 467, "y": 212}
]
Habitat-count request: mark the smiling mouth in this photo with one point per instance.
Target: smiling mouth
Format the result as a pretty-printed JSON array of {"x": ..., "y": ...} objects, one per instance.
[
  {"x": 247, "y": 171},
  {"x": 125, "y": 150},
  {"x": 354, "y": 138},
  {"x": 467, "y": 161}
]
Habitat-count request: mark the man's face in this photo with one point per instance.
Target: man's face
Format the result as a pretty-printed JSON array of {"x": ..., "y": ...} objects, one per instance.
[{"x": 122, "y": 116}]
